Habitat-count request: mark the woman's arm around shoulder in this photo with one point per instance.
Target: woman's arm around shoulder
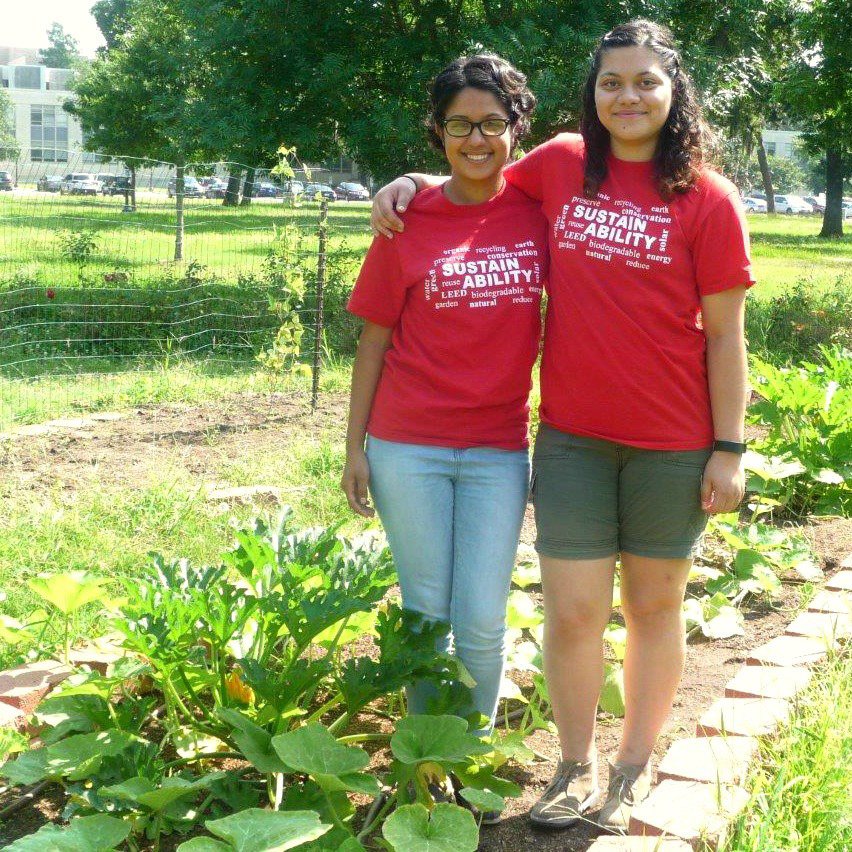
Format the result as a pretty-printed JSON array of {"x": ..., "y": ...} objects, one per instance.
[{"x": 394, "y": 198}]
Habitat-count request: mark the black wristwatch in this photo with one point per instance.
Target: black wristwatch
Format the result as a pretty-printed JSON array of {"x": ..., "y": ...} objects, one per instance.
[{"x": 730, "y": 447}]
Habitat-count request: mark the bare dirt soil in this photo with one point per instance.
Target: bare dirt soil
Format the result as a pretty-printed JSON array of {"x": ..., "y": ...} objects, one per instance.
[{"x": 122, "y": 452}]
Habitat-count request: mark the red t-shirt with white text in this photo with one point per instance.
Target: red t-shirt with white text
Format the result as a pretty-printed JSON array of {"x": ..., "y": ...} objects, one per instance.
[
  {"x": 624, "y": 349},
  {"x": 461, "y": 288}
]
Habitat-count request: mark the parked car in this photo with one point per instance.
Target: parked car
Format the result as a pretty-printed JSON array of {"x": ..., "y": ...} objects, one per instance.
[
  {"x": 116, "y": 185},
  {"x": 792, "y": 204},
  {"x": 49, "y": 183},
  {"x": 351, "y": 191},
  {"x": 321, "y": 189},
  {"x": 6, "y": 181},
  {"x": 191, "y": 187},
  {"x": 754, "y": 205},
  {"x": 818, "y": 203},
  {"x": 265, "y": 189},
  {"x": 79, "y": 183},
  {"x": 214, "y": 187},
  {"x": 847, "y": 209}
]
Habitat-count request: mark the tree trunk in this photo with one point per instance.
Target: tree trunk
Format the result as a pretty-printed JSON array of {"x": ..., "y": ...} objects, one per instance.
[
  {"x": 133, "y": 187},
  {"x": 179, "y": 167},
  {"x": 832, "y": 219},
  {"x": 767, "y": 177},
  {"x": 232, "y": 193},
  {"x": 248, "y": 188}
]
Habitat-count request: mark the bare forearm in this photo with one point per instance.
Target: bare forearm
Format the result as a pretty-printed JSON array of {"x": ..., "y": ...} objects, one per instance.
[{"x": 727, "y": 377}]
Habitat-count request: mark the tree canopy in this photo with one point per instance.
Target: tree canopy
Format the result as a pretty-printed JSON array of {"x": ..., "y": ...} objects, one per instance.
[
  {"x": 237, "y": 78},
  {"x": 63, "y": 51},
  {"x": 9, "y": 148}
]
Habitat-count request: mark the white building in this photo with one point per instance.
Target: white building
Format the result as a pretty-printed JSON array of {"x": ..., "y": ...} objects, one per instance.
[
  {"x": 49, "y": 138},
  {"x": 781, "y": 143}
]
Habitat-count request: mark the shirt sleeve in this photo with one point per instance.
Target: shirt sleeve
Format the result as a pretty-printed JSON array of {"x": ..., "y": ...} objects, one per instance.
[
  {"x": 379, "y": 292},
  {"x": 721, "y": 252},
  {"x": 526, "y": 174}
]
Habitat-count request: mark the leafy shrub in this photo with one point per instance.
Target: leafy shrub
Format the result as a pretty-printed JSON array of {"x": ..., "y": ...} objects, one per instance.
[
  {"x": 793, "y": 326},
  {"x": 805, "y": 461}
]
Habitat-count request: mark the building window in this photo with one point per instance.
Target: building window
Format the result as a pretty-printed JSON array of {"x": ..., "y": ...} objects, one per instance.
[
  {"x": 770, "y": 148},
  {"x": 48, "y": 134},
  {"x": 27, "y": 76}
]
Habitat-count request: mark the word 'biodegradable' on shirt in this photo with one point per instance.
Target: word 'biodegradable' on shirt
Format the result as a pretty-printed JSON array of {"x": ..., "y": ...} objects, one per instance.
[
  {"x": 486, "y": 273},
  {"x": 619, "y": 227}
]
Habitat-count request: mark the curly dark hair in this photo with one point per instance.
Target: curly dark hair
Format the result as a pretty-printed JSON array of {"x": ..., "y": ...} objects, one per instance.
[
  {"x": 680, "y": 148},
  {"x": 490, "y": 73}
]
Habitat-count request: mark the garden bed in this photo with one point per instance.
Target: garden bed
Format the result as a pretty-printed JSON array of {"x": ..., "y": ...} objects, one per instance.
[{"x": 124, "y": 454}]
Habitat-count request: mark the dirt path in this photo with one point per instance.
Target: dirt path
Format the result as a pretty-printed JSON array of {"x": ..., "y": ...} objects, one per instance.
[{"x": 111, "y": 453}]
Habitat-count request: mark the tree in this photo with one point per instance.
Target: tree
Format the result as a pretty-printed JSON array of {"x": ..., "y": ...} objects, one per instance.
[
  {"x": 113, "y": 18},
  {"x": 63, "y": 51},
  {"x": 139, "y": 99},
  {"x": 9, "y": 148},
  {"x": 818, "y": 90},
  {"x": 787, "y": 175}
]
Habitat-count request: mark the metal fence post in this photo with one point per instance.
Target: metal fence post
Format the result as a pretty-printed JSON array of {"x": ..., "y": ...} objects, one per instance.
[{"x": 318, "y": 321}]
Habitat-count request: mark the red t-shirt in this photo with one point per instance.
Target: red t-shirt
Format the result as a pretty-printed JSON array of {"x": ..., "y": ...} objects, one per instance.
[
  {"x": 624, "y": 349},
  {"x": 461, "y": 288}
]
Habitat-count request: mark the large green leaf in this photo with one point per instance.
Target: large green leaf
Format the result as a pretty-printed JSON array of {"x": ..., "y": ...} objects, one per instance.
[
  {"x": 611, "y": 699},
  {"x": 314, "y": 751},
  {"x": 69, "y": 591},
  {"x": 449, "y": 828},
  {"x": 522, "y": 611},
  {"x": 97, "y": 833},
  {"x": 204, "y": 844},
  {"x": 256, "y": 830},
  {"x": 142, "y": 791},
  {"x": 438, "y": 738},
  {"x": 254, "y": 742}
]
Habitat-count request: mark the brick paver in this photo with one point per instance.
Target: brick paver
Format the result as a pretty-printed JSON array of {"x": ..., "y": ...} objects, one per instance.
[
  {"x": 639, "y": 844},
  {"x": 709, "y": 759},
  {"x": 768, "y": 682},
  {"x": 743, "y": 717},
  {"x": 831, "y": 602},
  {"x": 689, "y": 810},
  {"x": 829, "y": 625},
  {"x": 840, "y": 582},
  {"x": 24, "y": 686},
  {"x": 788, "y": 651},
  {"x": 11, "y": 717}
]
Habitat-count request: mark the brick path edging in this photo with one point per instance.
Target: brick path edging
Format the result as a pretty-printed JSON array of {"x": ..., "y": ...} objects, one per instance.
[{"x": 698, "y": 792}]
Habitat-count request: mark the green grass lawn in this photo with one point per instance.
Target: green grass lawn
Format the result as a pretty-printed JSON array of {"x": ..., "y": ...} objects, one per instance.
[
  {"x": 786, "y": 250},
  {"x": 228, "y": 241}
]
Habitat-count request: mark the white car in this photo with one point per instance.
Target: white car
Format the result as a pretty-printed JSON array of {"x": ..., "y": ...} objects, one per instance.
[
  {"x": 754, "y": 205},
  {"x": 792, "y": 204},
  {"x": 79, "y": 183},
  {"x": 847, "y": 209}
]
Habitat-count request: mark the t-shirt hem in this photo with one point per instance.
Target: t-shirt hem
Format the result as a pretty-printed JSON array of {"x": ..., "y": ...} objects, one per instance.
[
  {"x": 687, "y": 444},
  {"x": 454, "y": 443}
]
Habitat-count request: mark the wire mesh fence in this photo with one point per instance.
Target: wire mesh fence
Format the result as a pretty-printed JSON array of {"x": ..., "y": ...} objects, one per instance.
[{"x": 110, "y": 274}]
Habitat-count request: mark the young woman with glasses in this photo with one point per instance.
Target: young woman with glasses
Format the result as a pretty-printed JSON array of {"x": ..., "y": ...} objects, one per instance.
[
  {"x": 442, "y": 373},
  {"x": 643, "y": 389}
]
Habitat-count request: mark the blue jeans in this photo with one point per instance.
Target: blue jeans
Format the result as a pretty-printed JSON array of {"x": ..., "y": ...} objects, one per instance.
[{"x": 453, "y": 519}]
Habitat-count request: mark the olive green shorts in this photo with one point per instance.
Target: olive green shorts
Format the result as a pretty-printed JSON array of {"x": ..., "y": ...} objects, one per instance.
[{"x": 595, "y": 498}]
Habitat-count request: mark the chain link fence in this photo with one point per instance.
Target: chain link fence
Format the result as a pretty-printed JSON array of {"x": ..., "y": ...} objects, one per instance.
[{"x": 93, "y": 299}]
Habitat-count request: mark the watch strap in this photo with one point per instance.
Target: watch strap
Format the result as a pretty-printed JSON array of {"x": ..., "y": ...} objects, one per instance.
[{"x": 730, "y": 447}]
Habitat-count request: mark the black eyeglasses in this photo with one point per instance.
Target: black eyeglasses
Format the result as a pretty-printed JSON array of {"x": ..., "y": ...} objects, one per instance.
[{"x": 487, "y": 127}]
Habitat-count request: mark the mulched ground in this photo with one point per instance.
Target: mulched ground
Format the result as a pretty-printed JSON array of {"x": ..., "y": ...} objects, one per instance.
[{"x": 124, "y": 452}]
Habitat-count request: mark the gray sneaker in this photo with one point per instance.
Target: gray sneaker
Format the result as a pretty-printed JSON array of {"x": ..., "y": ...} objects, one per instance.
[
  {"x": 573, "y": 790},
  {"x": 628, "y": 785}
]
